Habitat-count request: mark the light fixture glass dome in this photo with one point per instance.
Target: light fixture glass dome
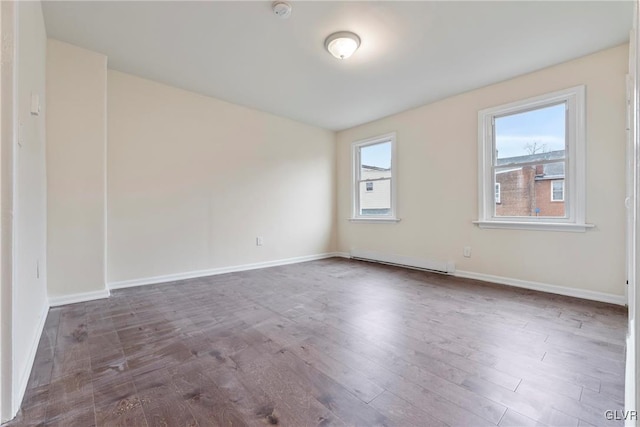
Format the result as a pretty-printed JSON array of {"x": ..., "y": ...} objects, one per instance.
[{"x": 342, "y": 44}]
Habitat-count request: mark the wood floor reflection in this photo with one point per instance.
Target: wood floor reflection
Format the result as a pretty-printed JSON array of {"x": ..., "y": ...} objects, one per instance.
[{"x": 330, "y": 342}]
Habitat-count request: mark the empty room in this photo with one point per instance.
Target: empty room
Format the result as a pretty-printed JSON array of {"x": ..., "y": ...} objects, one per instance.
[{"x": 305, "y": 213}]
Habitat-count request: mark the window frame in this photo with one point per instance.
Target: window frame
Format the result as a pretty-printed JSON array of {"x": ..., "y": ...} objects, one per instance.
[
  {"x": 575, "y": 163},
  {"x": 497, "y": 195},
  {"x": 356, "y": 146},
  {"x": 553, "y": 181}
]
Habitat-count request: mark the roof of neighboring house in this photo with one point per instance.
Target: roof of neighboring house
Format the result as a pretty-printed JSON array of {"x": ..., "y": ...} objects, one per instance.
[
  {"x": 549, "y": 155},
  {"x": 549, "y": 170},
  {"x": 375, "y": 168},
  {"x": 553, "y": 170}
]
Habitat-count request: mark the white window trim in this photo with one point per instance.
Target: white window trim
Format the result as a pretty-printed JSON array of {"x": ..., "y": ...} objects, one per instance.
[
  {"x": 551, "y": 185},
  {"x": 355, "y": 170},
  {"x": 575, "y": 172}
]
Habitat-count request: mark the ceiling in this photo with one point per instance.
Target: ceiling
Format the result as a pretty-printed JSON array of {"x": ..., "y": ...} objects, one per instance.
[{"x": 412, "y": 53}]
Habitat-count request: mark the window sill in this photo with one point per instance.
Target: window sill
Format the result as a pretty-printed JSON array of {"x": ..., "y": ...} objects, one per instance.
[
  {"x": 375, "y": 220},
  {"x": 541, "y": 226}
]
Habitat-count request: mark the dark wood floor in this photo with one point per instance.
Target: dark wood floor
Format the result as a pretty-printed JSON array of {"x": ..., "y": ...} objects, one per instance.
[{"x": 332, "y": 342}]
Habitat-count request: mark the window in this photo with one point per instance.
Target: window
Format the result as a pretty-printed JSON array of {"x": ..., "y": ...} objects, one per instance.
[
  {"x": 374, "y": 163},
  {"x": 532, "y": 153},
  {"x": 557, "y": 191}
]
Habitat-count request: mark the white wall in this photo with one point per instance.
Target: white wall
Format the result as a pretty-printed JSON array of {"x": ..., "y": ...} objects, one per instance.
[
  {"x": 76, "y": 169},
  {"x": 7, "y": 68},
  {"x": 30, "y": 209},
  {"x": 438, "y": 191},
  {"x": 192, "y": 181}
]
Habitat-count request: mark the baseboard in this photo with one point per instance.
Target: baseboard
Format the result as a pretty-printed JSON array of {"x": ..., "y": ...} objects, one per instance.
[
  {"x": 405, "y": 261},
  {"x": 544, "y": 287},
  {"x": 216, "y": 271},
  {"x": 21, "y": 385},
  {"x": 342, "y": 255},
  {"x": 74, "y": 298}
]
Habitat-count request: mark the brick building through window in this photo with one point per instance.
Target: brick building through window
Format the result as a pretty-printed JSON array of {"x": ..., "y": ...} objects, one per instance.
[{"x": 533, "y": 189}]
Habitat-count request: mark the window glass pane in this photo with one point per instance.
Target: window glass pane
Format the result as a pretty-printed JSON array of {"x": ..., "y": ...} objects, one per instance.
[
  {"x": 378, "y": 200},
  {"x": 534, "y": 135},
  {"x": 557, "y": 190},
  {"x": 375, "y": 161},
  {"x": 526, "y": 190}
]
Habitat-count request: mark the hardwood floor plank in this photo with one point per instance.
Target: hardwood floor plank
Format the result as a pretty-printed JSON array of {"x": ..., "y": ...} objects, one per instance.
[
  {"x": 402, "y": 413},
  {"x": 161, "y": 400},
  {"x": 209, "y": 405},
  {"x": 43, "y": 365},
  {"x": 578, "y": 365},
  {"x": 563, "y": 374},
  {"x": 572, "y": 408},
  {"x": 109, "y": 389},
  {"x": 285, "y": 388},
  {"x": 612, "y": 387},
  {"x": 340, "y": 401},
  {"x": 561, "y": 387},
  {"x": 353, "y": 381},
  {"x": 601, "y": 401},
  {"x": 70, "y": 397},
  {"x": 123, "y": 413},
  {"x": 437, "y": 406},
  {"x": 248, "y": 398},
  {"x": 398, "y": 371},
  {"x": 537, "y": 407},
  {"x": 439, "y": 362},
  {"x": 513, "y": 419}
]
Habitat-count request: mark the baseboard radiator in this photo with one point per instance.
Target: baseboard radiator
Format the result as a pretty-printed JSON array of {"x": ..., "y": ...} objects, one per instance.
[{"x": 444, "y": 267}]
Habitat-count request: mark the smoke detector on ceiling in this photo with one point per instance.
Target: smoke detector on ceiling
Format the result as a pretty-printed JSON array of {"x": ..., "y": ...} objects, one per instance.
[{"x": 281, "y": 9}]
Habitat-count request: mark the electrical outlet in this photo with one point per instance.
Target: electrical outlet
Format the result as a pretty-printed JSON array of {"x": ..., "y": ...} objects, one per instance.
[
  {"x": 259, "y": 241},
  {"x": 467, "y": 252}
]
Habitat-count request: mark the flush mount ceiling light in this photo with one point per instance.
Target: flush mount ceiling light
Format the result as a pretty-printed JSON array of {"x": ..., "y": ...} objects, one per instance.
[{"x": 342, "y": 44}]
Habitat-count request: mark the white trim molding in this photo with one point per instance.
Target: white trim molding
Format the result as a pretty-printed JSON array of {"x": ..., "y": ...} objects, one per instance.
[
  {"x": 544, "y": 287},
  {"x": 630, "y": 378},
  {"x": 356, "y": 147},
  {"x": 342, "y": 255},
  {"x": 81, "y": 297},
  {"x": 532, "y": 225},
  {"x": 374, "y": 220},
  {"x": 22, "y": 380},
  {"x": 216, "y": 271},
  {"x": 574, "y": 187}
]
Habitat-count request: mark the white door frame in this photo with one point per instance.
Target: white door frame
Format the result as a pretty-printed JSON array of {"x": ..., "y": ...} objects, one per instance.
[
  {"x": 634, "y": 302},
  {"x": 632, "y": 383}
]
